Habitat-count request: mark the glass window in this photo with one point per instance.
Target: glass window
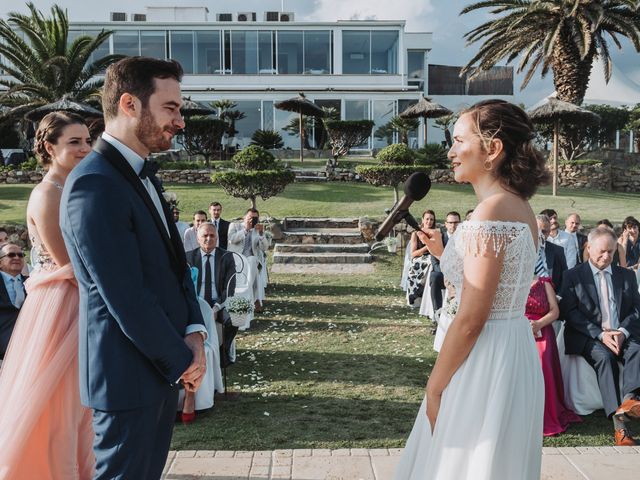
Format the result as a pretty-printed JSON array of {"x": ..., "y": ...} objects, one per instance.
[
  {"x": 383, "y": 111},
  {"x": 413, "y": 134},
  {"x": 244, "y": 51},
  {"x": 317, "y": 52},
  {"x": 100, "y": 52},
  {"x": 415, "y": 64},
  {"x": 250, "y": 123},
  {"x": 153, "y": 44},
  {"x": 282, "y": 119},
  {"x": 384, "y": 52},
  {"x": 182, "y": 49},
  {"x": 356, "y": 46},
  {"x": 290, "y": 52},
  {"x": 267, "y": 115},
  {"x": 208, "y": 52},
  {"x": 266, "y": 51},
  {"x": 126, "y": 43},
  {"x": 357, "y": 110}
]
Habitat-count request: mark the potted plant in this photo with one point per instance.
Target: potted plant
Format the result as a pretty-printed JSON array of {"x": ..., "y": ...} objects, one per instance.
[
  {"x": 391, "y": 243},
  {"x": 239, "y": 308}
]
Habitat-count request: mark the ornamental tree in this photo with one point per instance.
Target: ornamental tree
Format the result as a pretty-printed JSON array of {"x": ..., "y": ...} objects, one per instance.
[
  {"x": 346, "y": 134},
  {"x": 202, "y": 136},
  {"x": 257, "y": 174}
]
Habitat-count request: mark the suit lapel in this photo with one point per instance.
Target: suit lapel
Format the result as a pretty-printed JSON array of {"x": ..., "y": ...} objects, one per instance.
[
  {"x": 120, "y": 163},
  {"x": 218, "y": 267},
  {"x": 590, "y": 284}
]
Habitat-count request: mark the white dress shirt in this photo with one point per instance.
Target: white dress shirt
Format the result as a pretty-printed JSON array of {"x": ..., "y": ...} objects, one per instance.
[
  {"x": 212, "y": 262},
  {"x": 568, "y": 243},
  {"x": 137, "y": 162},
  {"x": 613, "y": 308},
  {"x": 190, "y": 239}
]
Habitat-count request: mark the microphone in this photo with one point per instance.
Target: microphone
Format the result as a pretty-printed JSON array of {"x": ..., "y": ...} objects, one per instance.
[{"x": 415, "y": 189}]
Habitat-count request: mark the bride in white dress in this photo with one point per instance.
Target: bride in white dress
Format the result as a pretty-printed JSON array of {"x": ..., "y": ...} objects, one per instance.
[{"x": 482, "y": 415}]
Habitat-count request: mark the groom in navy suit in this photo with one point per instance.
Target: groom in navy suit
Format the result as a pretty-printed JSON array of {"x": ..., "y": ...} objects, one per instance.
[{"x": 140, "y": 330}]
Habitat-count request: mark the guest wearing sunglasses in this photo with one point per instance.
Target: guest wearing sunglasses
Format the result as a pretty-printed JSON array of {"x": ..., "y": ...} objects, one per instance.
[{"x": 12, "y": 292}]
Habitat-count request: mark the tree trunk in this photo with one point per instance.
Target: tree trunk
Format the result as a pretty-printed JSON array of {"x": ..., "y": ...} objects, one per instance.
[{"x": 395, "y": 194}]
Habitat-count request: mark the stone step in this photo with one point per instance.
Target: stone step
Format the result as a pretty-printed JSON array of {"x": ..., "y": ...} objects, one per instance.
[
  {"x": 323, "y": 268},
  {"x": 309, "y": 178},
  {"x": 322, "y": 248},
  {"x": 309, "y": 173},
  {"x": 291, "y": 223},
  {"x": 323, "y": 236},
  {"x": 306, "y": 258}
]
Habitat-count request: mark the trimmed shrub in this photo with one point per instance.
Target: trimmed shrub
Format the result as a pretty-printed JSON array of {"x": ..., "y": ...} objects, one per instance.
[
  {"x": 254, "y": 157},
  {"x": 396, "y": 154}
]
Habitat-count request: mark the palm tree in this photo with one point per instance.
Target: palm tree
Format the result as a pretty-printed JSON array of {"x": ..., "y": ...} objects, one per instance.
[
  {"x": 562, "y": 35},
  {"x": 43, "y": 65}
]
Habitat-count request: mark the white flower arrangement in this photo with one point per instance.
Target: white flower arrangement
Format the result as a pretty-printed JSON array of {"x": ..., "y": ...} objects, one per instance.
[
  {"x": 451, "y": 307},
  {"x": 238, "y": 305},
  {"x": 390, "y": 241}
]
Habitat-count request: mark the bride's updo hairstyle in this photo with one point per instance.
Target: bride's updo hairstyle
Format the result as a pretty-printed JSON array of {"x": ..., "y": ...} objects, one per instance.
[
  {"x": 50, "y": 129},
  {"x": 523, "y": 168}
]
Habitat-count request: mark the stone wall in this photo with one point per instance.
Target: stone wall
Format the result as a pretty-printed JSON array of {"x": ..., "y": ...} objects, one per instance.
[{"x": 596, "y": 176}]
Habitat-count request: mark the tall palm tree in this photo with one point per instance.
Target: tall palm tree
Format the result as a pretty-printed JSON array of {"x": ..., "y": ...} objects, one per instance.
[
  {"x": 562, "y": 35},
  {"x": 41, "y": 63}
]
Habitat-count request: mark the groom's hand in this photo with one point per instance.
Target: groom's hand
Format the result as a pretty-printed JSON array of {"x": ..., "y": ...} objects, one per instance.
[{"x": 192, "y": 377}]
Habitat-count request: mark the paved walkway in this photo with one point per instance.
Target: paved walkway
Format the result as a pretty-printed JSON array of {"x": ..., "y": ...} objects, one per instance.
[{"x": 567, "y": 463}]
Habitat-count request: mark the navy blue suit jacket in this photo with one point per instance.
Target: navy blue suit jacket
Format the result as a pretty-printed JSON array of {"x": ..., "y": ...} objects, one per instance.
[
  {"x": 136, "y": 293},
  {"x": 580, "y": 305}
]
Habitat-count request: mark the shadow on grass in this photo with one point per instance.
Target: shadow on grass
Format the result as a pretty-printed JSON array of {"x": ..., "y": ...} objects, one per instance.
[
  {"x": 315, "y": 289},
  {"x": 338, "y": 311}
]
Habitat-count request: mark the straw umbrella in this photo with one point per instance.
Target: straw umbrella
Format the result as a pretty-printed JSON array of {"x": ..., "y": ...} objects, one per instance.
[
  {"x": 555, "y": 111},
  {"x": 65, "y": 104},
  {"x": 190, "y": 108},
  {"x": 301, "y": 106},
  {"x": 425, "y": 108}
]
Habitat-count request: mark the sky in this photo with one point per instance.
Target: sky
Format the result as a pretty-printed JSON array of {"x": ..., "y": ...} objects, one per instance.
[{"x": 441, "y": 17}]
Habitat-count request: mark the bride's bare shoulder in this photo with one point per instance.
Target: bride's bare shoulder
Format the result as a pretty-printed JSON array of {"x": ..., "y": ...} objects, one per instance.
[{"x": 505, "y": 207}]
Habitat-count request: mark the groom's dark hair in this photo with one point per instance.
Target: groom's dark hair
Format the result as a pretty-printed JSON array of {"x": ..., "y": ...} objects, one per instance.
[{"x": 135, "y": 75}]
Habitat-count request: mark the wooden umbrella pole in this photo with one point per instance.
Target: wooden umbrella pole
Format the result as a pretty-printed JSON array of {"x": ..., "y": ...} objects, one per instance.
[
  {"x": 301, "y": 139},
  {"x": 554, "y": 187},
  {"x": 424, "y": 130}
]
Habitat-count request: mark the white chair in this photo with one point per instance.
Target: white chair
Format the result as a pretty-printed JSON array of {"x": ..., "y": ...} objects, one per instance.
[
  {"x": 213, "y": 381},
  {"x": 404, "y": 282},
  {"x": 581, "y": 392},
  {"x": 244, "y": 282}
]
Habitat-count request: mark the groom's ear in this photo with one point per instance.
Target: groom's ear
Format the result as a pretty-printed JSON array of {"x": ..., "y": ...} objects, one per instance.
[{"x": 130, "y": 105}]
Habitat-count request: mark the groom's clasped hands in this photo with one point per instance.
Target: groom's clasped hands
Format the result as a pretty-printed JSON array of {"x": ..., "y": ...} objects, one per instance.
[{"x": 192, "y": 377}]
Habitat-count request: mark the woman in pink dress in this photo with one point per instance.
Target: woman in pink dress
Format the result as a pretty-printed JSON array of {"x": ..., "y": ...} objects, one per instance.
[
  {"x": 541, "y": 310},
  {"x": 45, "y": 433}
]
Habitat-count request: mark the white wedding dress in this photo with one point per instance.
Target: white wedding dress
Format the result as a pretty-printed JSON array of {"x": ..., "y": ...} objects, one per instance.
[{"x": 489, "y": 426}]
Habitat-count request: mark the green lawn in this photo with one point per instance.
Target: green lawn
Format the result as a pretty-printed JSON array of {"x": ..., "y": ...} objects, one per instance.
[
  {"x": 334, "y": 362},
  {"x": 357, "y": 199}
]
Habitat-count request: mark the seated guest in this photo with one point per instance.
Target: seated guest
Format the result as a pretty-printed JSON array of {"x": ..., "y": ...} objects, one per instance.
[
  {"x": 420, "y": 258},
  {"x": 601, "y": 307},
  {"x": 4, "y": 237},
  {"x": 553, "y": 263},
  {"x": 572, "y": 226},
  {"x": 190, "y": 238},
  {"x": 216, "y": 280},
  {"x": 619, "y": 257},
  {"x": 542, "y": 310},
  {"x": 215, "y": 210},
  {"x": 629, "y": 240},
  {"x": 561, "y": 238},
  {"x": 436, "y": 280},
  {"x": 181, "y": 226},
  {"x": 467, "y": 216},
  {"x": 12, "y": 291},
  {"x": 249, "y": 239}
]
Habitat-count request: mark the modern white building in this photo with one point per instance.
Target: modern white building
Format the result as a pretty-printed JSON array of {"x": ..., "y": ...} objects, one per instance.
[{"x": 364, "y": 69}]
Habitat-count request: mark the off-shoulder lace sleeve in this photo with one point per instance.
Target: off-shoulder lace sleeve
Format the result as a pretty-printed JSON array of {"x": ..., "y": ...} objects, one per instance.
[{"x": 488, "y": 238}]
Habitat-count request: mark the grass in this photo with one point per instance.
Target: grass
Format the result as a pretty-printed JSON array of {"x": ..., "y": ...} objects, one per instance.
[
  {"x": 338, "y": 199},
  {"x": 334, "y": 362}
]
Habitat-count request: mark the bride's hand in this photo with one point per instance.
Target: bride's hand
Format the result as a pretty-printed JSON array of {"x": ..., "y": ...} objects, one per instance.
[{"x": 433, "y": 407}]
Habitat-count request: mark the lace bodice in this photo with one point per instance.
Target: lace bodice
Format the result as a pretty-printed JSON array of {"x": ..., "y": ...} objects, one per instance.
[{"x": 491, "y": 238}]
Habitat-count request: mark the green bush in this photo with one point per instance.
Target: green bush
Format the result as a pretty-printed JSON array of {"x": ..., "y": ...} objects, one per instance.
[
  {"x": 396, "y": 154},
  {"x": 251, "y": 184},
  {"x": 269, "y": 139},
  {"x": 433, "y": 154},
  {"x": 254, "y": 157},
  {"x": 389, "y": 175}
]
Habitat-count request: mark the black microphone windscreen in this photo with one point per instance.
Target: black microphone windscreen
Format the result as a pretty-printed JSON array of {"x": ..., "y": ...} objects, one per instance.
[{"x": 417, "y": 186}]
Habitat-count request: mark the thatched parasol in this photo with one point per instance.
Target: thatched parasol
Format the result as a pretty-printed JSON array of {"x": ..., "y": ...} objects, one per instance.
[
  {"x": 190, "y": 108},
  {"x": 65, "y": 104},
  {"x": 301, "y": 106},
  {"x": 424, "y": 109},
  {"x": 553, "y": 110}
]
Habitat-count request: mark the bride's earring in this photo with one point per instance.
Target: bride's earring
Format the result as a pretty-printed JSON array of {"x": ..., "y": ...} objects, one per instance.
[{"x": 487, "y": 165}]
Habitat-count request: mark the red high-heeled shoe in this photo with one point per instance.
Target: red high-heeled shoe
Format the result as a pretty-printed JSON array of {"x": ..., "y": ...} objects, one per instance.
[{"x": 188, "y": 418}]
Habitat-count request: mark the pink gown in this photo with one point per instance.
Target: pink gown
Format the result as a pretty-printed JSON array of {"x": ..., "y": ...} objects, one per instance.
[
  {"x": 557, "y": 416},
  {"x": 45, "y": 433}
]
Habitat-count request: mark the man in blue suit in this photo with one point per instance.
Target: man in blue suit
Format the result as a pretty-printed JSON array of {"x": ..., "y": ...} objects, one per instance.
[{"x": 140, "y": 331}]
